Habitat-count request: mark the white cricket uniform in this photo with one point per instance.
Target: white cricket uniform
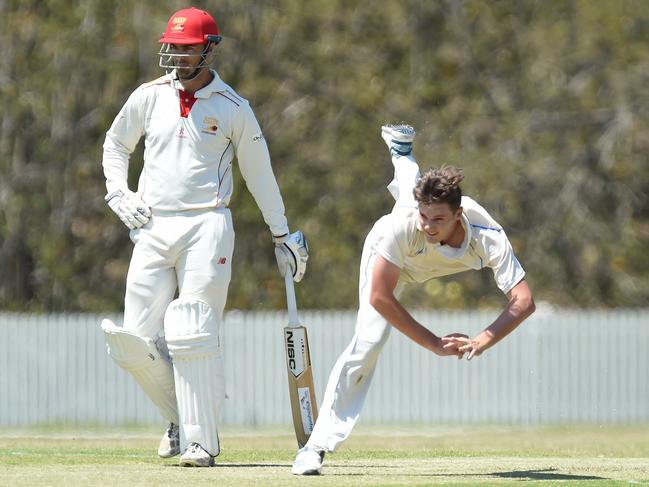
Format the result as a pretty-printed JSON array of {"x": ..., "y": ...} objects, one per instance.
[
  {"x": 398, "y": 238},
  {"x": 190, "y": 142},
  {"x": 187, "y": 182}
]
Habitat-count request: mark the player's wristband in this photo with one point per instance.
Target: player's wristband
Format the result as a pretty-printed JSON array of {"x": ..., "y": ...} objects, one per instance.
[{"x": 280, "y": 239}]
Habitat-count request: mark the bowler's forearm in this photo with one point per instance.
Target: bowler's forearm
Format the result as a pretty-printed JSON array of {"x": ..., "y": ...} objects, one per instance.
[
  {"x": 390, "y": 308},
  {"x": 517, "y": 310}
]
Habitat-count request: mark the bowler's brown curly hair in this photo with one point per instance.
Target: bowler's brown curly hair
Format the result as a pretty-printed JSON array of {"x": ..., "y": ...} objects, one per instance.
[{"x": 440, "y": 186}]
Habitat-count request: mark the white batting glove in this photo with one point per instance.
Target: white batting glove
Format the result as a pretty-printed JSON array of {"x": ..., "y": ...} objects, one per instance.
[
  {"x": 292, "y": 251},
  {"x": 129, "y": 207}
]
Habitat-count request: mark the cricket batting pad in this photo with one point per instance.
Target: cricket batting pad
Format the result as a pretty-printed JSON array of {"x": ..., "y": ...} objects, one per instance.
[
  {"x": 192, "y": 334},
  {"x": 140, "y": 356}
]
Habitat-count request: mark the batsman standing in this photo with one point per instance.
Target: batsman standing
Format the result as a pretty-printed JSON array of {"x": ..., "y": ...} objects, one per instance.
[
  {"x": 432, "y": 231},
  {"x": 193, "y": 126}
]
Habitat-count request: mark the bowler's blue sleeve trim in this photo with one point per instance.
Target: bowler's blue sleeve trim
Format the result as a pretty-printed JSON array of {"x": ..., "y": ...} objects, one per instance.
[{"x": 487, "y": 228}]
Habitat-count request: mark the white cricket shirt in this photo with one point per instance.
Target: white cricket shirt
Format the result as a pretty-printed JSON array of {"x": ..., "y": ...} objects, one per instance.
[
  {"x": 402, "y": 243},
  {"x": 188, "y": 156}
]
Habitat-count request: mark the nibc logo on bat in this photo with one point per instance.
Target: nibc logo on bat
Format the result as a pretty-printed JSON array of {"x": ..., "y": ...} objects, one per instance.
[{"x": 295, "y": 347}]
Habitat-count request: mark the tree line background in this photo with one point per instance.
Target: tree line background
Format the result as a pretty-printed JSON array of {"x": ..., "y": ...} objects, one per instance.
[{"x": 544, "y": 105}]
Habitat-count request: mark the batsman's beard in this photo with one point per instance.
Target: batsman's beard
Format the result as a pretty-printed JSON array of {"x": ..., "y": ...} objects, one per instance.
[{"x": 172, "y": 62}]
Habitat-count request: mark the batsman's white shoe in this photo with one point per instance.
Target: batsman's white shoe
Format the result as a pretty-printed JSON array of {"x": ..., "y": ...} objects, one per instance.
[
  {"x": 196, "y": 456},
  {"x": 308, "y": 462},
  {"x": 170, "y": 442},
  {"x": 399, "y": 138}
]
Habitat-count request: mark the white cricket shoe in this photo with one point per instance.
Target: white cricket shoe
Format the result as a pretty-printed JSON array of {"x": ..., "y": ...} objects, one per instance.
[
  {"x": 399, "y": 138},
  {"x": 170, "y": 442},
  {"x": 308, "y": 462},
  {"x": 196, "y": 456}
]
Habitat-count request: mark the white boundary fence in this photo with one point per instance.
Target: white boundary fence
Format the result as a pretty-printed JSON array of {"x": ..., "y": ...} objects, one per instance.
[{"x": 558, "y": 367}]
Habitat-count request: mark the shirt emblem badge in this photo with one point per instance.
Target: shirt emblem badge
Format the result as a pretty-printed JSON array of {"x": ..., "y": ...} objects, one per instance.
[{"x": 210, "y": 126}]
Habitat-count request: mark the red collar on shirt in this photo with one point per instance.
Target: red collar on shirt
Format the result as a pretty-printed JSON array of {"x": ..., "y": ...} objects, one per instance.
[{"x": 187, "y": 101}]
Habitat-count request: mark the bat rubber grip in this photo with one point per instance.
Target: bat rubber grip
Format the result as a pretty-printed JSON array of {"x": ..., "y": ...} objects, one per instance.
[{"x": 291, "y": 302}]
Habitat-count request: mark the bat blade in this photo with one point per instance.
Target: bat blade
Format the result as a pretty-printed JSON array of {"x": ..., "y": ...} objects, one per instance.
[{"x": 300, "y": 382}]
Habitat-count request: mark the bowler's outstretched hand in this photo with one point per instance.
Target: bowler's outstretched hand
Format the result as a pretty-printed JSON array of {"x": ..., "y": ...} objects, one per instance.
[
  {"x": 450, "y": 347},
  {"x": 462, "y": 344}
]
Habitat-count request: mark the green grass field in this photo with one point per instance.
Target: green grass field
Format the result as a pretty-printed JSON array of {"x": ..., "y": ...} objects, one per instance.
[{"x": 494, "y": 455}]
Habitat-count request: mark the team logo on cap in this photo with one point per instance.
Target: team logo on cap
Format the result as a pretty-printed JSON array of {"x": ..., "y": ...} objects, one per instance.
[
  {"x": 178, "y": 24},
  {"x": 210, "y": 125}
]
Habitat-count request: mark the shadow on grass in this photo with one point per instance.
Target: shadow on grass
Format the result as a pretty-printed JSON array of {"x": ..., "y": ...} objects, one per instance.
[
  {"x": 534, "y": 474},
  {"x": 546, "y": 474},
  {"x": 236, "y": 465}
]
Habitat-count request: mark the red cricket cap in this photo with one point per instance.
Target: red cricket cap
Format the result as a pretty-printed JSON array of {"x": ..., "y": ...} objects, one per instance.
[{"x": 189, "y": 26}]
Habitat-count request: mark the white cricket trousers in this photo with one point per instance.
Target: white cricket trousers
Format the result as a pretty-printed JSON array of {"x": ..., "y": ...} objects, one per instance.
[
  {"x": 186, "y": 250},
  {"x": 352, "y": 374}
]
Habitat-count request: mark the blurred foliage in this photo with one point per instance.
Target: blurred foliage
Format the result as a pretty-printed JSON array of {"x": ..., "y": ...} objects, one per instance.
[{"x": 545, "y": 108}]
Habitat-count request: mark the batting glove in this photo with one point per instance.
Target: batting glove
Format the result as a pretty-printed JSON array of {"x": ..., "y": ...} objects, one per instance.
[
  {"x": 292, "y": 251},
  {"x": 129, "y": 207}
]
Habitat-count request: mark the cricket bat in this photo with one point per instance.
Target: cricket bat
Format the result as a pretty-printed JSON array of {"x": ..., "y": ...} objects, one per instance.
[{"x": 298, "y": 365}]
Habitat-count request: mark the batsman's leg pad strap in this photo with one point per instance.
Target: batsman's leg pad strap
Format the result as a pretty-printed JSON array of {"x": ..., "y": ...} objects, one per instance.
[
  {"x": 191, "y": 329},
  {"x": 140, "y": 356},
  {"x": 192, "y": 334}
]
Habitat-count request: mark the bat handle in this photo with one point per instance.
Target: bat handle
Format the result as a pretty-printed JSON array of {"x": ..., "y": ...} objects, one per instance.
[{"x": 291, "y": 302}]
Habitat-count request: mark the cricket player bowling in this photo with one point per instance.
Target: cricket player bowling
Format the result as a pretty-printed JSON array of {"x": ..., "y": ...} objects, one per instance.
[
  {"x": 194, "y": 125},
  {"x": 432, "y": 231}
]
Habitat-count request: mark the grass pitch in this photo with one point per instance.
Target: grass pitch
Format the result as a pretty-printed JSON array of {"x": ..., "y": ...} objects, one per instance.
[{"x": 386, "y": 457}]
